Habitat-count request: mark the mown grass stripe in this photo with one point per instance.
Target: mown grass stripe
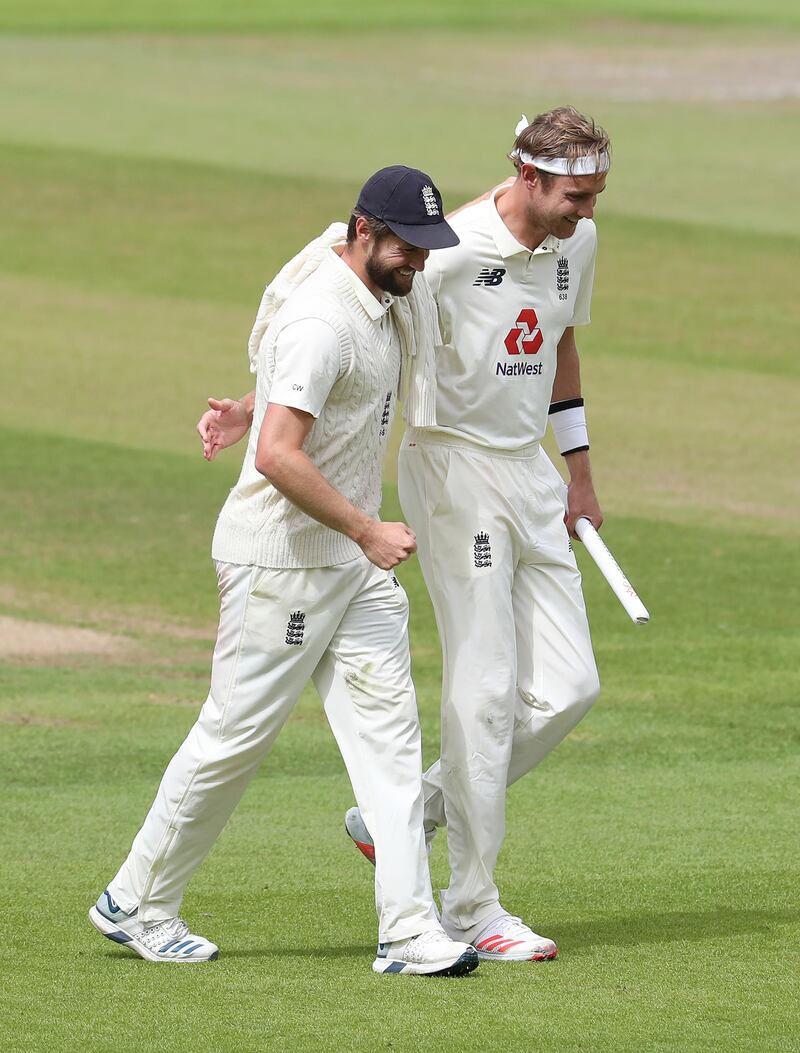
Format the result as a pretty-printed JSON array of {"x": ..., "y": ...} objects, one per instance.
[{"x": 282, "y": 15}]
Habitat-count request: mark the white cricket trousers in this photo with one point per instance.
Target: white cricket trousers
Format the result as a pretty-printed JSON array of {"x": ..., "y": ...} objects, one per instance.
[
  {"x": 518, "y": 667},
  {"x": 345, "y": 627}
]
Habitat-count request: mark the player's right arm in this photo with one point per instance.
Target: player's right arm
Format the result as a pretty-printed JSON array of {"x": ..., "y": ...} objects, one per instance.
[
  {"x": 281, "y": 459},
  {"x": 308, "y": 364},
  {"x": 225, "y": 423}
]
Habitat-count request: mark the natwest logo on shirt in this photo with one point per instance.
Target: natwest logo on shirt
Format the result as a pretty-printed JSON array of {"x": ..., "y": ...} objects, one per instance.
[
  {"x": 524, "y": 339},
  {"x": 526, "y": 336}
]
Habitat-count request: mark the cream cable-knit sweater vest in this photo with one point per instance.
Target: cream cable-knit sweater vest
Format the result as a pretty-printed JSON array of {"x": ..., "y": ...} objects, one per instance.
[{"x": 257, "y": 524}]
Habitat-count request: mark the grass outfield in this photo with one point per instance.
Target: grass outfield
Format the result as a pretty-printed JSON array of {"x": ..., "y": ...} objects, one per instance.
[
  {"x": 653, "y": 844},
  {"x": 153, "y": 180},
  {"x": 277, "y": 15}
]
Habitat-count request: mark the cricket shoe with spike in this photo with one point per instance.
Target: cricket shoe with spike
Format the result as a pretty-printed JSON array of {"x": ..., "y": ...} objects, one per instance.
[
  {"x": 357, "y": 832},
  {"x": 432, "y": 953},
  {"x": 165, "y": 941},
  {"x": 505, "y": 939}
]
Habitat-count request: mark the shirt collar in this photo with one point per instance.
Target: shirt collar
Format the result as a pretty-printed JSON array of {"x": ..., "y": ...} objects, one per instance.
[
  {"x": 376, "y": 309},
  {"x": 507, "y": 244}
]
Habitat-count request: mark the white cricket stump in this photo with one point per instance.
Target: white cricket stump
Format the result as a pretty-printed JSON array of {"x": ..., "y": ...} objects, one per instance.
[{"x": 611, "y": 571}]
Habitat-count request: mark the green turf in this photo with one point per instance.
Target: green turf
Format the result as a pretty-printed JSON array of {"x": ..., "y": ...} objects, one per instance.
[
  {"x": 358, "y": 14},
  {"x": 151, "y": 183},
  {"x": 642, "y": 845},
  {"x": 289, "y": 111}
]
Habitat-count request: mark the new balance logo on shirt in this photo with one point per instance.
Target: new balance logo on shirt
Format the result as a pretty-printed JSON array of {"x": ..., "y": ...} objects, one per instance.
[{"x": 490, "y": 276}]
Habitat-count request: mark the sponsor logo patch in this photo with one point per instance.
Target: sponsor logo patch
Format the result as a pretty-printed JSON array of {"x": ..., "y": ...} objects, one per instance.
[
  {"x": 518, "y": 369},
  {"x": 526, "y": 336},
  {"x": 491, "y": 276},
  {"x": 524, "y": 339}
]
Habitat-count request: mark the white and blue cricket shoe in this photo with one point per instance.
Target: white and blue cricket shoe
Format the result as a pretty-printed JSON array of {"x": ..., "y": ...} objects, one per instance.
[
  {"x": 431, "y": 953},
  {"x": 165, "y": 941}
]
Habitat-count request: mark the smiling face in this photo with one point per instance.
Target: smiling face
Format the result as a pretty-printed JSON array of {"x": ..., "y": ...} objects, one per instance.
[
  {"x": 557, "y": 202},
  {"x": 391, "y": 264}
]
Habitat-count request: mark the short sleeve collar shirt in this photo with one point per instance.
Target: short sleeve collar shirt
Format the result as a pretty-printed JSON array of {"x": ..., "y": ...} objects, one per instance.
[
  {"x": 307, "y": 353},
  {"x": 503, "y": 309}
]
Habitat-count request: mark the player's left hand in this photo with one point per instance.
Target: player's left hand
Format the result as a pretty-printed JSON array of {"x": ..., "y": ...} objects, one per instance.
[
  {"x": 223, "y": 425},
  {"x": 582, "y": 501}
]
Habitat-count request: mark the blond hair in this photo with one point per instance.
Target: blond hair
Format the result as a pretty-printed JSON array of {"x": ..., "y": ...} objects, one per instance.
[{"x": 563, "y": 132}]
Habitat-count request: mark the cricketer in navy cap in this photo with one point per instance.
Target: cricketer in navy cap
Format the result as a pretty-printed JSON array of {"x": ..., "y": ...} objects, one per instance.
[{"x": 408, "y": 202}]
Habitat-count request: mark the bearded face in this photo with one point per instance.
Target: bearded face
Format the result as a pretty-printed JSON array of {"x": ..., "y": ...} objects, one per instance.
[{"x": 392, "y": 263}]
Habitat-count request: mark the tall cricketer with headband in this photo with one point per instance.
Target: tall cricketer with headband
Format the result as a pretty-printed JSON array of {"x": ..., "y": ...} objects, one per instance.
[{"x": 488, "y": 506}]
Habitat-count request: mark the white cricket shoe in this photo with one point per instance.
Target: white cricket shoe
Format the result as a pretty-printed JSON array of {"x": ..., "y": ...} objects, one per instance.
[
  {"x": 432, "y": 953},
  {"x": 505, "y": 939},
  {"x": 166, "y": 941}
]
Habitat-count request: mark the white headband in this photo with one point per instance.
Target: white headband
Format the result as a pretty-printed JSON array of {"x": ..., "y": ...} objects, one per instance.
[{"x": 586, "y": 165}]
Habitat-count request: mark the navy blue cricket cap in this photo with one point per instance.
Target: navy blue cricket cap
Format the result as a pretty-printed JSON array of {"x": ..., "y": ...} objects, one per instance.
[{"x": 407, "y": 201}]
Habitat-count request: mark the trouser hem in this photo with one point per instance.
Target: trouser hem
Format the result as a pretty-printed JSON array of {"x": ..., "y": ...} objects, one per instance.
[
  {"x": 121, "y": 901},
  {"x": 484, "y": 917},
  {"x": 407, "y": 931}
]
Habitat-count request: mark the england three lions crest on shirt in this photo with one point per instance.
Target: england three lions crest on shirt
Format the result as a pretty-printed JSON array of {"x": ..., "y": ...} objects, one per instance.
[{"x": 562, "y": 277}]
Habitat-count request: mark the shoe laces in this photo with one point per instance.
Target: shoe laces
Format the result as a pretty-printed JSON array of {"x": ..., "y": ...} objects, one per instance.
[
  {"x": 509, "y": 919},
  {"x": 172, "y": 929},
  {"x": 514, "y": 928},
  {"x": 505, "y": 925},
  {"x": 415, "y": 948}
]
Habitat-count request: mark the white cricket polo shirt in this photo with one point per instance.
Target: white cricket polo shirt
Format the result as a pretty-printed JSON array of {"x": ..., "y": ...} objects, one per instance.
[
  {"x": 503, "y": 310},
  {"x": 307, "y": 353}
]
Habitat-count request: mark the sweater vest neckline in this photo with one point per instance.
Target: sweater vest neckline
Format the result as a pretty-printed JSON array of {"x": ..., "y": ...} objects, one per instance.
[{"x": 368, "y": 325}]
